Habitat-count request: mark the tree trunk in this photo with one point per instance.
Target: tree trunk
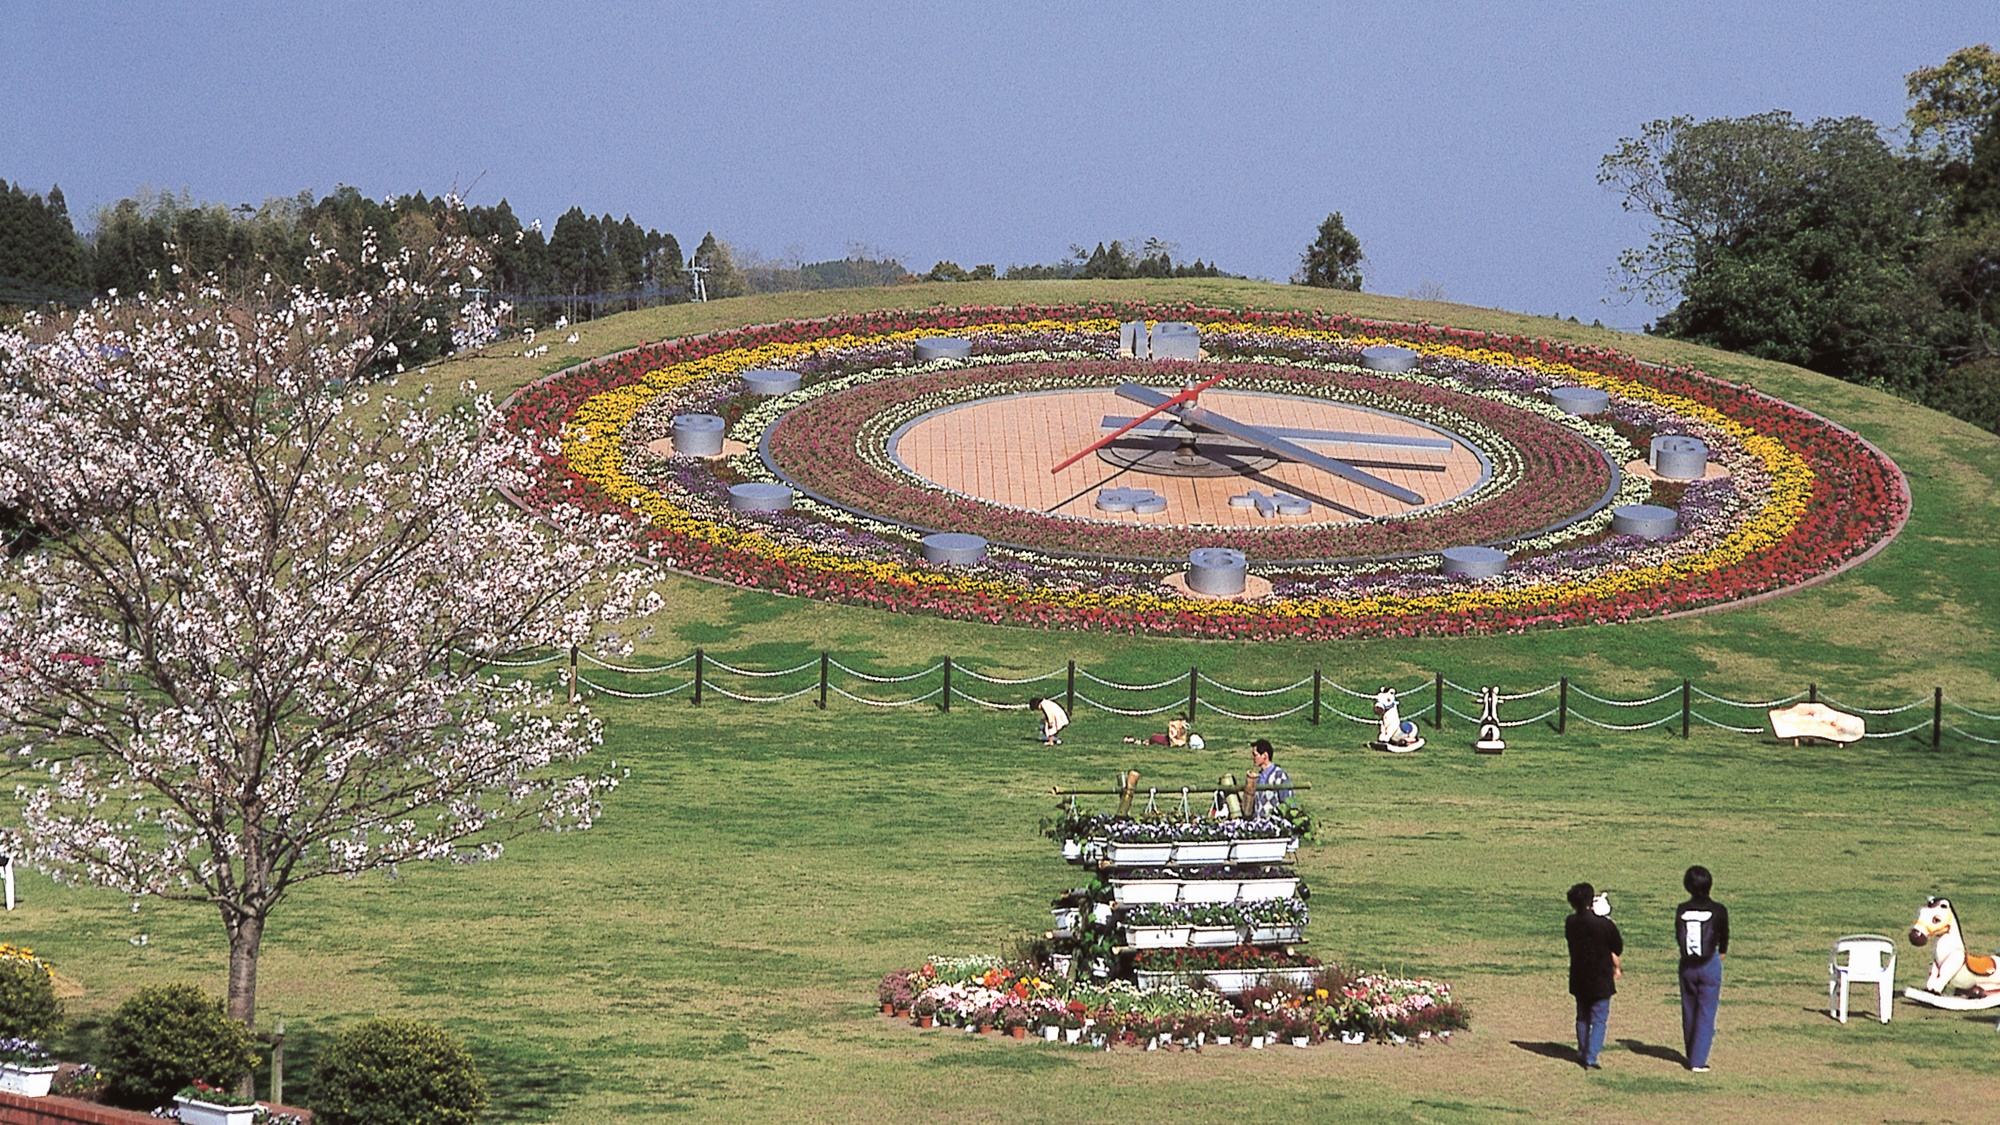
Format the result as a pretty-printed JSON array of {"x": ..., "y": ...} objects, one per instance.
[{"x": 246, "y": 932}]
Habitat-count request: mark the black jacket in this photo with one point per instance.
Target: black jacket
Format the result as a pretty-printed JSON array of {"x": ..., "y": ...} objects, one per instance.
[{"x": 1592, "y": 942}]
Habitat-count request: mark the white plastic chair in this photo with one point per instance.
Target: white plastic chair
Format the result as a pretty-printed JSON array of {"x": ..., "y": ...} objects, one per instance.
[{"x": 1870, "y": 958}]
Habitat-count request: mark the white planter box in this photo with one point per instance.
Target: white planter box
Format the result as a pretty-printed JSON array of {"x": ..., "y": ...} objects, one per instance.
[
  {"x": 1259, "y": 851},
  {"x": 1214, "y": 936},
  {"x": 1073, "y": 850},
  {"x": 1275, "y": 935},
  {"x": 1156, "y": 937},
  {"x": 1202, "y": 851},
  {"x": 1229, "y": 982},
  {"x": 1144, "y": 892},
  {"x": 28, "y": 1081},
  {"x": 1209, "y": 890},
  {"x": 1147, "y": 979},
  {"x": 1262, "y": 890},
  {"x": 1100, "y": 912},
  {"x": 1139, "y": 855},
  {"x": 205, "y": 1113},
  {"x": 1065, "y": 920}
]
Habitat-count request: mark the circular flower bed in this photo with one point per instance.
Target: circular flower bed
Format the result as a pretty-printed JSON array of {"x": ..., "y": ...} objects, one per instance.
[{"x": 1800, "y": 498}]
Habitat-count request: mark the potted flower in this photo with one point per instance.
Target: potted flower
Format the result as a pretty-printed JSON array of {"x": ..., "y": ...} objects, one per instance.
[
  {"x": 1072, "y": 1021},
  {"x": 1014, "y": 1020},
  {"x": 894, "y": 992},
  {"x": 924, "y": 1010},
  {"x": 202, "y": 1104},
  {"x": 25, "y": 1068}
]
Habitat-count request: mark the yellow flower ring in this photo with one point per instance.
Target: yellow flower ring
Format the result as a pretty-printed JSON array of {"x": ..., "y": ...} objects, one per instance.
[{"x": 1803, "y": 498}]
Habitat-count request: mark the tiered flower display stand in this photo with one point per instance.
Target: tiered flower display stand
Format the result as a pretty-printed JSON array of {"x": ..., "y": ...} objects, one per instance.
[{"x": 1222, "y": 889}]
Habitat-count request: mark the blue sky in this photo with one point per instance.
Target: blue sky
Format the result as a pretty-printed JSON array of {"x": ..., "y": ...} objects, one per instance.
[{"x": 1459, "y": 138}]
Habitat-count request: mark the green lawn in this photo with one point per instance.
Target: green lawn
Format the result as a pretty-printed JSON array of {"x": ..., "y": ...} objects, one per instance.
[{"x": 711, "y": 947}]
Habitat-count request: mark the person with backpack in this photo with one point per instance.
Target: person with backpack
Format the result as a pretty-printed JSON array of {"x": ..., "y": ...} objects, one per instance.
[{"x": 1701, "y": 928}]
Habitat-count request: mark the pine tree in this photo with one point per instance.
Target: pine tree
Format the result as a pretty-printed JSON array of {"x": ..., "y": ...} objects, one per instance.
[{"x": 1333, "y": 261}]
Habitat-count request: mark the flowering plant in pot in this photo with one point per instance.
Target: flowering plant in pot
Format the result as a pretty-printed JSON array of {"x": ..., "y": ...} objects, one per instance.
[
  {"x": 924, "y": 1010},
  {"x": 1014, "y": 1020},
  {"x": 895, "y": 992}
]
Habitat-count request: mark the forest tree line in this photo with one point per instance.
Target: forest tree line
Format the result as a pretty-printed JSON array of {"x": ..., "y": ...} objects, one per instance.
[{"x": 1837, "y": 245}]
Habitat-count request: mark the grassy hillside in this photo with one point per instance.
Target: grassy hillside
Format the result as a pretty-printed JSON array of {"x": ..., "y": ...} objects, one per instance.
[{"x": 711, "y": 948}]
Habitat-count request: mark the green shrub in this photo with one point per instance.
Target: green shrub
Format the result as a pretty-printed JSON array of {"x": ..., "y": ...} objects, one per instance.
[
  {"x": 396, "y": 1072},
  {"x": 167, "y": 1036},
  {"x": 29, "y": 1008}
]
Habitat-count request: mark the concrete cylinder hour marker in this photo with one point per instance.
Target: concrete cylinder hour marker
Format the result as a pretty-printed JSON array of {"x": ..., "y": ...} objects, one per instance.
[
  {"x": 698, "y": 435},
  {"x": 757, "y": 496},
  {"x": 1647, "y": 521},
  {"x": 767, "y": 382},
  {"x": 1217, "y": 570}
]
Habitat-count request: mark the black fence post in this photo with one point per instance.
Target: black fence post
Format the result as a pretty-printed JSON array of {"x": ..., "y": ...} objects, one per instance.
[
  {"x": 1069, "y": 696},
  {"x": 574, "y": 695},
  {"x": 1687, "y": 706},
  {"x": 1315, "y": 697},
  {"x": 822, "y": 681},
  {"x": 1192, "y": 697},
  {"x": 1937, "y": 717},
  {"x": 1562, "y": 707},
  {"x": 946, "y": 705},
  {"x": 697, "y": 677},
  {"x": 1437, "y": 716},
  {"x": 1812, "y": 693}
]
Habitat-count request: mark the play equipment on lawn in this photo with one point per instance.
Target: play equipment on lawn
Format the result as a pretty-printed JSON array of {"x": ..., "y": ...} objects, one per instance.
[
  {"x": 1871, "y": 959},
  {"x": 1817, "y": 720},
  {"x": 1952, "y": 968},
  {"x": 1396, "y": 734}
]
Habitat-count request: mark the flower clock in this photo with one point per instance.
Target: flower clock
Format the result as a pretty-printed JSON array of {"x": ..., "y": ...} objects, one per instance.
[{"x": 881, "y": 448}]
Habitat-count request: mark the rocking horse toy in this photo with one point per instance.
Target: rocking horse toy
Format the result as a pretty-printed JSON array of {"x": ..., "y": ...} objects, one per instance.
[
  {"x": 1958, "y": 980},
  {"x": 1396, "y": 734}
]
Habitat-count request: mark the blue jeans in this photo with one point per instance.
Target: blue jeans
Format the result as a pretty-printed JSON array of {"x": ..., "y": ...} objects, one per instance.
[
  {"x": 1701, "y": 991},
  {"x": 1591, "y": 1018}
]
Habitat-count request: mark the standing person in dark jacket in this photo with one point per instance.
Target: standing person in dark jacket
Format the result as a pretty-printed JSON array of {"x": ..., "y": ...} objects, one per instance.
[
  {"x": 1701, "y": 926},
  {"x": 1595, "y": 948}
]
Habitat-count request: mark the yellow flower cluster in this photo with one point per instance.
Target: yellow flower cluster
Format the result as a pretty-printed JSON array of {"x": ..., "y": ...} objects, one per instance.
[{"x": 10, "y": 952}]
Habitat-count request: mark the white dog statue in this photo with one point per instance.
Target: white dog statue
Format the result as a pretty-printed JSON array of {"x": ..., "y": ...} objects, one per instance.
[{"x": 1394, "y": 734}]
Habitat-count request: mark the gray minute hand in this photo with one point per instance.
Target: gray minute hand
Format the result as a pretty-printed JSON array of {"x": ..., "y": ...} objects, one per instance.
[{"x": 1209, "y": 420}]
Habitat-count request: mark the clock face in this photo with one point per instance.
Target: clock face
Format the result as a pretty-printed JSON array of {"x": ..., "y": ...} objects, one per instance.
[
  {"x": 1349, "y": 491},
  {"x": 1005, "y": 450}
]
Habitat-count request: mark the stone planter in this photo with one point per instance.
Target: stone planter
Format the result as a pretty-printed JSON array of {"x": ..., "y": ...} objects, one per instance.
[
  {"x": 27, "y": 1081},
  {"x": 207, "y": 1113}
]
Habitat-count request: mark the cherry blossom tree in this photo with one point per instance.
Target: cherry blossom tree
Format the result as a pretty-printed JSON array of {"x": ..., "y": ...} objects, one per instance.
[{"x": 255, "y": 613}]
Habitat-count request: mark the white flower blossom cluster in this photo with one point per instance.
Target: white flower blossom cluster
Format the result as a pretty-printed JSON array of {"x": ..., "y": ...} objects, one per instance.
[{"x": 251, "y": 641}]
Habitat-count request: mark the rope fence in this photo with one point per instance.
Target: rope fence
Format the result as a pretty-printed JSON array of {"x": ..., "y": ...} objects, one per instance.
[{"x": 1192, "y": 694}]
